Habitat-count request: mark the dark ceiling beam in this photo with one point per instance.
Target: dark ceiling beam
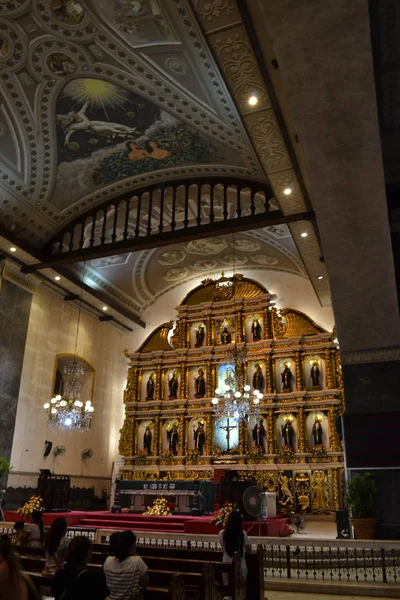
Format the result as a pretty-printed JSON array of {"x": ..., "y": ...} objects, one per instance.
[
  {"x": 169, "y": 238},
  {"x": 70, "y": 276}
]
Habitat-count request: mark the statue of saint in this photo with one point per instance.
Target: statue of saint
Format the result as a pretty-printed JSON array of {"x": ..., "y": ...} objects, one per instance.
[
  {"x": 258, "y": 378},
  {"x": 317, "y": 431},
  {"x": 256, "y": 330},
  {"x": 173, "y": 439},
  {"x": 200, "y": 438},
  {"x": 200, "y": 334},
  {"x": 314, "y": 373},
  {"x": 320, "y": 491},
  {"x": 147, "y": 437},
  {"x": 173, "y": 386},
  {"x": 200, "y": 384},
  {"x": 150, "y": 388},
  {"x": 286, "y": 376},
  {"x": 287, "y": 433},
  {"x": 226, "y": 337},
  {"x": 259, "y": 434}
]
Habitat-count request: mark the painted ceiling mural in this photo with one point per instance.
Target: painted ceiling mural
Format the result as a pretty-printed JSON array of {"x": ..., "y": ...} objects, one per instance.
[{"x": 105, "y": 134}]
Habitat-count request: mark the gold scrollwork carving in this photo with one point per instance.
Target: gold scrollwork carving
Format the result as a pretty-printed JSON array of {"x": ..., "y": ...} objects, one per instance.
[
  {"x": 125, "y": 446},
  {"x": 131, "y": 391},
  {"x": 301, "y": 429}
]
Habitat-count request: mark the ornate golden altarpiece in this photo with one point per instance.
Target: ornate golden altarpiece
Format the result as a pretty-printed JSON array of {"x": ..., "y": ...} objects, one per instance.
[{"x": 170, "y": 430}]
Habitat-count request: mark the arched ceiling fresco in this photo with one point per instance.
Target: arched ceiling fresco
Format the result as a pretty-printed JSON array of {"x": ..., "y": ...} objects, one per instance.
[{"x": 100, "y": 97}]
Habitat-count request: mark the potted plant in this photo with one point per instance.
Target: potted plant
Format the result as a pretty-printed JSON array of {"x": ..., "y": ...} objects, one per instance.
[{"x": 362, "y": 489}]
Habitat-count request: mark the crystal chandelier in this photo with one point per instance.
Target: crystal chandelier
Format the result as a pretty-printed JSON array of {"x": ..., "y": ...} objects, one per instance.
[{"x": 67, "y": 412}]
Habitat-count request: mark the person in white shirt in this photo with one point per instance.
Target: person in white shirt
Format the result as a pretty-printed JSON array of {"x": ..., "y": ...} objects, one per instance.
[
  {"x": 234, "y": 539},
  {"x": 125, "y": 572}
]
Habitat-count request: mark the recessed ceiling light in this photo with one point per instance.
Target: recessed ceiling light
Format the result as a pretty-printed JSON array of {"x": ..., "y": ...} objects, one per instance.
[
  {"x": 105, "y": 308},
  {"x": 287, "y": 191},
  {"x": 304, "y": 234},
  {"x": 253, "y": 100},
  {"x": 57, "y": 278},
  {"x": 13, "y": 249},
  {"x": 320, "y": 276}
]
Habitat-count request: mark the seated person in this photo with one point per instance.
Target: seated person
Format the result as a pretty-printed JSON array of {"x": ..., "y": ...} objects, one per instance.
[
  {"x": 56, "y": 547},
  {"x": 75, "y": 581},
  {"x": 112, "y": 546},
  {"x": 125, "y": 572},
  {"x": 36, "y": 530},
  {"x": 21, "y": 536},
  {"x": 14, "y": 585}
]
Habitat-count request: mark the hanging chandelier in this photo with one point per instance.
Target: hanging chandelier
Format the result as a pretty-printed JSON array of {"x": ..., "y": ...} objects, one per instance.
[{"x": 67, "y": 411}]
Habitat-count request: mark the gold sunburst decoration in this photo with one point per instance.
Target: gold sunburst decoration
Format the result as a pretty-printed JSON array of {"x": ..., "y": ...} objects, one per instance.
[{"x": 97, "y": 92}]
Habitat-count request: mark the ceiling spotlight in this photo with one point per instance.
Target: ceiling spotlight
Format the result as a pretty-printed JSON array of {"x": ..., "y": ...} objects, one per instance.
[
  {"x": 287, "y": 191},
  {"x": 320, "y": 277},
  {"x": 304, "y": 234},
  {"x": 105, "y": 308},
  {"x": 57, "y": 278},
  {"x": 253, "y": 100},
  {"x": 13, "y": 249}
]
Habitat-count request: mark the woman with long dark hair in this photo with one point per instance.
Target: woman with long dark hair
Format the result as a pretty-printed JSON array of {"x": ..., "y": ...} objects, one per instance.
[
  {"x": 75, "y": 581},
  {"x": 234, "y": 539},
  {"x": 36, "y": 530},
  {"x": 14, "y": 585},
  {"x": 56, "y": 546},
  {"x": 125, "y": 572}
]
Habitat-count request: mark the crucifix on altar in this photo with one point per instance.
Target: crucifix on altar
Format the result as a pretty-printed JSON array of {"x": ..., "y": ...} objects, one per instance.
[{"x": 228, "y": 428}]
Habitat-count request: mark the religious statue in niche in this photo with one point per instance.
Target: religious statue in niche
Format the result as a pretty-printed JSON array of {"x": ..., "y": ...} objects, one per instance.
[
  {"x": 287, "y": 433},
  {"x": 147, "y": 439},
  {"x": 315, "y": 374},
  {"x": 200, "y": 385},
  {"x": 286, "y": 377},
  {"x": 258, "y": 378},
  {"x": 256, "y": 330},
  {"x": 259, "y": 434},
  {"x": 173, "y": 438},
  {"x": 200, "y": 335},
  {"x": 317, "y": 431},
  {"x": 226, "y": 337},
  {"x": 173, "y": 386},
  {"x": 150, "y": 388},
  {"x": 199, "y": 437}
]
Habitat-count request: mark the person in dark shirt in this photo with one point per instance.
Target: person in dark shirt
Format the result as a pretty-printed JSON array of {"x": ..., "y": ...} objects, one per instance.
[{"x": 75, "y": 581}]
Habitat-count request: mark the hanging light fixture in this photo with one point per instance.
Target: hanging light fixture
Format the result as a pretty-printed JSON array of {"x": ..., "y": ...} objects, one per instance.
[
  {"x": 67, "y": 411},
  {"x": 235, "y": 399}
]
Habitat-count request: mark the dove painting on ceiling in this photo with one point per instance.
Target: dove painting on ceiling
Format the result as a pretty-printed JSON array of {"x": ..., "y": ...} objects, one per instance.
[{"x": 106, "y": 134}]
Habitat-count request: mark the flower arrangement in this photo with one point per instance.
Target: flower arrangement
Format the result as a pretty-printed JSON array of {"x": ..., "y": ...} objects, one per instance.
[
  {"x": 217, "y": 450},
  {"x": 192, "y": 457},
  {"x": 34, "y": 503},
  {"x": 255, "y": 455},
  {"x": 166, "y": 457},
  {"x": 223, "y": 514},
  {"x": 140, "y": 454},
  {"x": 234, "y": 450},
  {"x": 160, "y": 508},
  {"x": 318, "y": 453}
]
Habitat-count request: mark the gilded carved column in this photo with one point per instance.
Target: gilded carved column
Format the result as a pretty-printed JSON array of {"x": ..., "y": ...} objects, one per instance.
[
  {"x": 338, "y": 371},
  {"x": 182, "y": 436},
  {"x": 336, "y": 489},
  {"x": 269, "y": 378},
  {"x": 330, "y": 384},
  {"x": 131, "y": 391},
  {"x": 299, "y": 371},
  {"x": 271, "y": 432},
  {"x": 267, "y": 324},
  {"x": 135, "y": 437},
  {"x": 183, "y": 389},
  {"x": 160, "y": 375},
  {"x": 209, "y": 391},
  {"x": 185, "y": 333},
  {"x": 213, "y": 379},
  {"x": 239, "y": 326},
  {"x": 209, "y": 434},
  {"x": 157, "y": 438},
  {"x": 139, "y": 388},
  {"x": 274, "y": 375},
  {"x": 334, "y": 441},
  {"x": 302, "y": 436},
  {"x": 209, "y": 331},
  {"x": 242, "y": 437}
]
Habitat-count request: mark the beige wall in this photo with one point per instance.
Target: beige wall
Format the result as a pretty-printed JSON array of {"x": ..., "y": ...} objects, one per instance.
[{"x": 51, "y": 331}]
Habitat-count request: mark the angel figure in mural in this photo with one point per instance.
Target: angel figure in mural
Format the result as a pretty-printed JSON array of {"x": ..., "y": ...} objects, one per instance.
[
  {"x": 200, "y": 384},
  {"x": 173, "y": 438},
  {"x": 147, "y": 437},
  {"x": 150, "y": 387},
  {"x": 173, "y": 386},
  {"x": 256, "y": 330},
  {"x": 78, "y": 121},
  {"x": 199, "y": 438},
  {"x": 287, "y": 496}
]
